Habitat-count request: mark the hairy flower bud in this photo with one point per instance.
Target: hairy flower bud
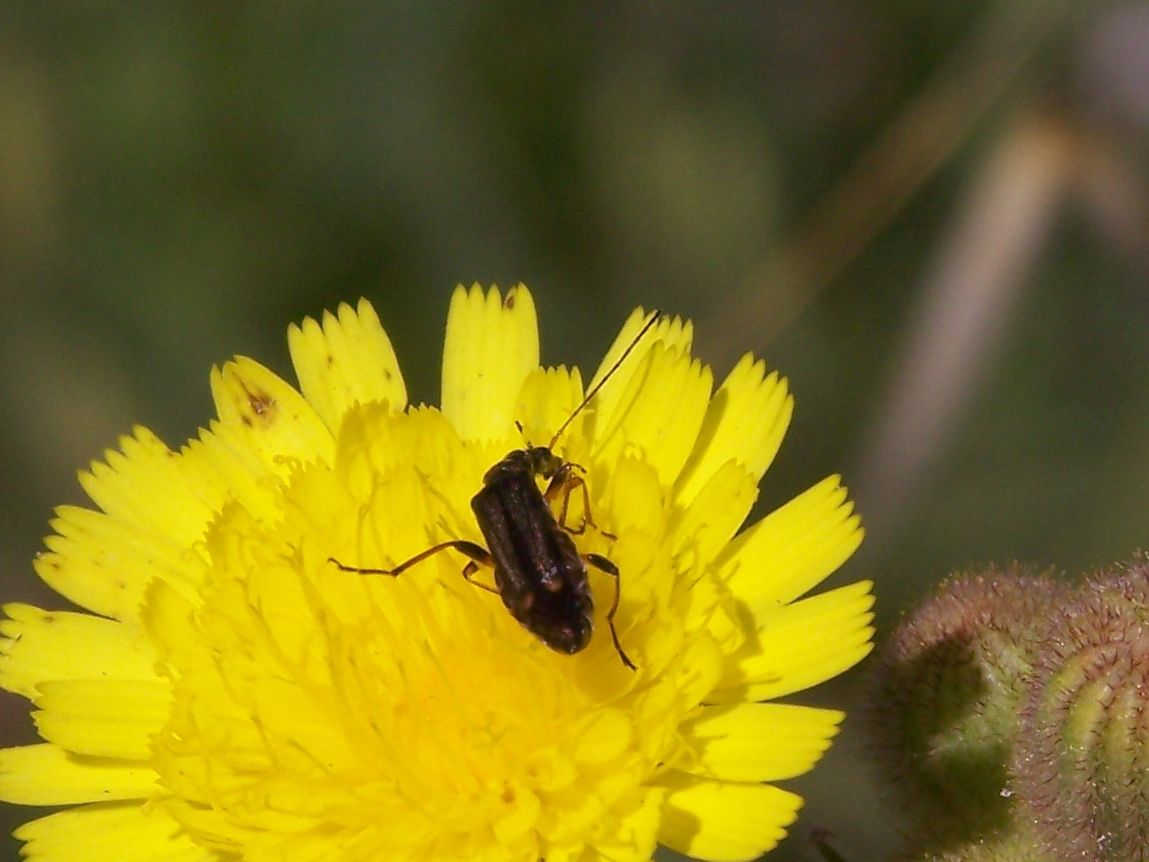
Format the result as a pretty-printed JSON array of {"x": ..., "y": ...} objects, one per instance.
[
  {"x": 1081, "y": 759},
  {"x": 944, "y": 702},
  {"x": 1014, "y": 845}
]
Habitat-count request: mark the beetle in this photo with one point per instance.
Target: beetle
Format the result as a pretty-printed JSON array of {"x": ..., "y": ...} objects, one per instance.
[{"x": 539, "y": 573}]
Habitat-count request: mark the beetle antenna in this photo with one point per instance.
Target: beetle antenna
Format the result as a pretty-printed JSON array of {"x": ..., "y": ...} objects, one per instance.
[{"x": 655, "y": 316}]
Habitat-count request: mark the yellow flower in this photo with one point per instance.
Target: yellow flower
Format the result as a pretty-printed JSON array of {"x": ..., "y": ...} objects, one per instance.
[{"x": 235, "y": 695}]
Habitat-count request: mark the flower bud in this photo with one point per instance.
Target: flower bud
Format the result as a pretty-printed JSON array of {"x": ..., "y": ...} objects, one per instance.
[
  {"x": 1081, "y": 763},
  {"x": 1014, "y": 845},
  {"x": 945, "y": 698}
]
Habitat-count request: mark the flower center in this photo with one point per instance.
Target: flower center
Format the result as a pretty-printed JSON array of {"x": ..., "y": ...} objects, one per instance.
[{"x": 417, "y": 695}]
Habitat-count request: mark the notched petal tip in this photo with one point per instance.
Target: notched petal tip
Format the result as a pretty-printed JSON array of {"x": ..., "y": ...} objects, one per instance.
[
  {"x": 724, "y": 822},
  {"x": 653, "y": 410},
  {"x": 547, "y": 398},
  {"x": 746, "y": 421},
  {"x": 347, "y": 360},
  {"x": 491, "y": 345},
  {"x": 759, "y": 741},
  {"x": 799, "y": 645},
  {"x": 799, "y": 545},
  {"x": 266, "y": 416}
]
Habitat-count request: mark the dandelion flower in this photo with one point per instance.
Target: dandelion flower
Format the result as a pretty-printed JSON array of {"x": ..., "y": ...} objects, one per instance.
[{"x": 233, "y": 694}]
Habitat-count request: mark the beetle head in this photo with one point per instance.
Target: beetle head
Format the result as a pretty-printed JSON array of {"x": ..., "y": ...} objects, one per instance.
[{"x": 543, "y": 462}]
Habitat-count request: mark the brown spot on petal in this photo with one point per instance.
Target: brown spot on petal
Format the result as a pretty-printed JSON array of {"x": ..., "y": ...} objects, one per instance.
[{"x": 260, "y": 405}]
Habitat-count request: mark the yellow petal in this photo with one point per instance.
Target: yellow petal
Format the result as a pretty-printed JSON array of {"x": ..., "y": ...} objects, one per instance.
[
  {"x": 658, "y": 414},
  {"x": 226, "y": 469},
  {"x": 156, "y": 507},
  {"x": 269, "y": 420},
  {"x": 805, "y": 643},
  {"x": 346, "y": 361},
  {"x": 603, "y": 737},
  {"x": 746, "y": 420},
  {"x": 142, "y": 488},
  {"x": 45, "y": 645},
  {"x": 758, "y": 741},
  {"x": 547, "y": 398},
  {"x": 492, "y": 344},
  {"x": 793, "y": 548},
  {"x": 674, "y": 335},
  {"x": 168, "y": 618},
  {"x": 103, "y": 717},
  {"x": 48, "y": 775},
  {"x": 713, "y": 516},
  {"x": 105, "y": 565},
  {"x": 697, "y": 670},
  {"x": 724, "y": 822},
  {"x": 113, "y": 832},
  {"x": 631, "y": 498},
  {"x": 634, "y": 837}
]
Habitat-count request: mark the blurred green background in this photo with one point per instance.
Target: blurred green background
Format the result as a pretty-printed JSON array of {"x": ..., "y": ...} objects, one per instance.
[{"x": 933, "y": 217}]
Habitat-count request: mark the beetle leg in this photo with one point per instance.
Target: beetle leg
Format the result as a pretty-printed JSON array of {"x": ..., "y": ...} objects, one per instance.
[
  {"x": 560, "y": 482},
  {"x": 469, "y": 576},
  {"x": 566, "y": 489},
  {"x": 479, "y": 557},
  {"x": 564, "y": 483},
  {"x": 604, "y": 565}
]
